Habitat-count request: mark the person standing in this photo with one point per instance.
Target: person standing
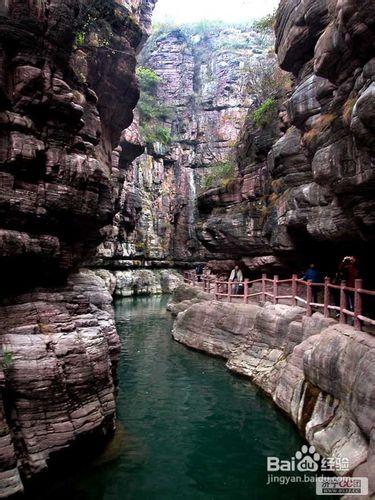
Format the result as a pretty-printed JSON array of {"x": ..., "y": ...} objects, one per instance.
[
  {"x": 236, "y": 276},
  {"x": 349, "y": 273},
  {"x": 199, "y": 272},
  {"x": 312, "y": 275}
]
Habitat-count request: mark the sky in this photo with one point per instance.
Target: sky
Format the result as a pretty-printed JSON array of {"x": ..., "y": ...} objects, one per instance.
[{"x": 231, "y": 11}]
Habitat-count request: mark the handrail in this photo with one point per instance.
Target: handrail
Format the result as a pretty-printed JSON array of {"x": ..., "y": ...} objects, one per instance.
[{"x": 348, "y": 301}]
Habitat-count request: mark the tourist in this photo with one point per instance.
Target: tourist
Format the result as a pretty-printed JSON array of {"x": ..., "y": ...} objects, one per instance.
[
  {"x": 236, "y": 277},
  {"x": 349, "y": 274},
  {"x": 207, "y": 272},
  {"x": 312, "y": 275},
  {"x": 199, "y": 271}
]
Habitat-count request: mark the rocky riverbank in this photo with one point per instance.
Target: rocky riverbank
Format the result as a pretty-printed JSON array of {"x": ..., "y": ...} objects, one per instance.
[
  {"x": 320, "y": 373},
  {"x": 140, "y": 281},
  {"x": 60, "y": 353}
]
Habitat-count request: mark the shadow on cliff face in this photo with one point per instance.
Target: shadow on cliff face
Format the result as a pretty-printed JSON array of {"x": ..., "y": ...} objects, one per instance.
[
  {"x": 80, "y": 461},
  {"x": 328, "y": 257}
]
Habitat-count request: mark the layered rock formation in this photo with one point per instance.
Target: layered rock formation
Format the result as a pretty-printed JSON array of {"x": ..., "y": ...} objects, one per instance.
[
  {"x": 140, "y": 281},
  {"x": 202, "y": 85},
  {"x": 58, "y": 384},
  {"x": 67, "y": 90},
  {"x": 307, "y": 178},
  {"x": 312, "y": 368}
]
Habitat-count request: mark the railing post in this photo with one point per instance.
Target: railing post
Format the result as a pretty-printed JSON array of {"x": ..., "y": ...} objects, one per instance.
[
  {"x": 246, "y": 291},
  {"x": 342, "y": 302},
  {"x": 205, "y": 284},
  {"x": 264, "y": 277},
  {"x": 230, "y": 291},
  {"x": 358, "y": 304},
  {"x": 327, "y": 281},
  {"x": 309, "y": 298},
  {"x": 294, "y": 289},
  {"x": 275, "y": 288},
  {"x": 216, "y": 290},
  {"x": 193, "y": 280}
]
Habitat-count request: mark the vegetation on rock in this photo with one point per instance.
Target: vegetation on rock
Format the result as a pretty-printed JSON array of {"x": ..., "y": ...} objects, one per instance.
[
  {"x": 219, "y": 174},
  {"x": 92, "y": 24},
  {"x": 6, "y": 359},
  {"x": 152, "y": 114},
  {"x": 264, "y": 78},
  {"x": 148, "y": 79},
  {"x": 264, "y": 114},
  {"x": 201, "y": 27},
  {"x": 265, "y": 23}
]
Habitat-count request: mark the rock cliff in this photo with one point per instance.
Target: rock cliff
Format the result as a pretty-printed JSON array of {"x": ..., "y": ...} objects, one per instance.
[
  {"x": 306, "y": 183},
  {"x": 311, "y": 367},
  {"x": 301, "y": 184},
  {"x": 201, "y": 75},
  {"x": 67, "y": 90}
]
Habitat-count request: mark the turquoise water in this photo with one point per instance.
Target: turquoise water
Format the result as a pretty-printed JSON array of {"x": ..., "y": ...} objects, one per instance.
[{"x": 188, "y": 428}]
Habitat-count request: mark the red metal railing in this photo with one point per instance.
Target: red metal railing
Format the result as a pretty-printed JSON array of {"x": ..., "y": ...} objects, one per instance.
[{"x": 347, "y": 301}]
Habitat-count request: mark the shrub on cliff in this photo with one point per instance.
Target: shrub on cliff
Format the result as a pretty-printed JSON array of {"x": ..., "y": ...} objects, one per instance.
[
  {"x": 6, "y": 358},
  {"x": 92, "y": 24},
  {"x": 264, "y": 78},
  {"x": 218, "y": 174},
  {"x": 265, "y": 113},
  {"x": 152, "y": 114},
  {"x": 148, "y": 79},
  {"x": 153, "y": 134},
  {"x": 265, "y": 23}
]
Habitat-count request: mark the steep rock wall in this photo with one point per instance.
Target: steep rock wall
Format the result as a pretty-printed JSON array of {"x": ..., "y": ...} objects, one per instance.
[
  {"x": 67, "y": 90},
  {"x": 202, "y": 84},
  {"x": 307, "y": 179},
  {"x": 140, "y": 281}
]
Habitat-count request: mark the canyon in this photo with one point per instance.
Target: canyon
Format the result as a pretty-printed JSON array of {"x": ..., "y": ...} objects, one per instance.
[
  {"x": 296, "y": 179},
  {"x": 91, "y": 207},
  {"x": 201, "y": 74}
]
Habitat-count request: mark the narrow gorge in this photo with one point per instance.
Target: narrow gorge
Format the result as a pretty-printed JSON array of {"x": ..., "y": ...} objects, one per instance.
[
  {"x": 195, "y": 82},
  {"x": 131, "y": 153}
]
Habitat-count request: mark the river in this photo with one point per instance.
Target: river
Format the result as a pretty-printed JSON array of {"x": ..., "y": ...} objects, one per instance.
[{"x": 188, "y": 429}]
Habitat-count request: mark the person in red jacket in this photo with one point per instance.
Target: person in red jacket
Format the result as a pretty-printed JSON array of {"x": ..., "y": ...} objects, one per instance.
[{"x": 349, "y": 273}]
